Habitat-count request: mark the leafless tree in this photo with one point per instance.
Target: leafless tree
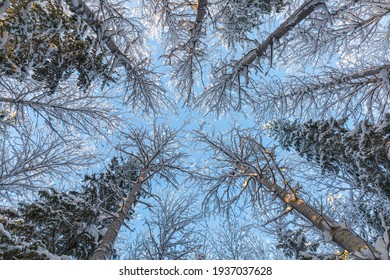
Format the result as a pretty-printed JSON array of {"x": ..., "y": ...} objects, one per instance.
[
  {"x": 188, "y": 30},
  {"x": 46, "y": 135},
  {"x": 243, "y": 167},
  {"x": 341, "y": 68},
  {"x": 328, "y": 58},
  {"x": 172, "y": 231},
  {"x": 157, "y": 153},
  {"x": 348, "y": 31},
  {"x": 236, "y": 238}
]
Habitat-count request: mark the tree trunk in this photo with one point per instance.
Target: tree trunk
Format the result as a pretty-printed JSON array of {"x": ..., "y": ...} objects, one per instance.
[
  {"x": 331, "y": 229},
  {"x": 104, "y": 249},
  {"x": 201, "y": 12}
]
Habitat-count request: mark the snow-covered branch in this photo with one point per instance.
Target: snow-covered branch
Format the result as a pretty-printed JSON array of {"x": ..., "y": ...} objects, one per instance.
[
  {"x": 172, "y": 231},
  {"x": 34, "y": 159},
  {"x": 364, "y": 91},
  {"x": 73, "y": 110}
]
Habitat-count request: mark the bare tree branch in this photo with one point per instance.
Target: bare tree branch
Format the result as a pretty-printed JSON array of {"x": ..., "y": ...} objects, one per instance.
[
  {"x": 35, "y": 159},
  {"x": 87, "y": 112},
  {"x": 172, "y": 230},
  {"x": 333, "y": 93}
]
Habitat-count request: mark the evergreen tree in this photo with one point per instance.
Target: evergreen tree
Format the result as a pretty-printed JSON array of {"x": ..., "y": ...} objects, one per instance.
[
  {"x": 58, "y": 224},
  {"x": 362, "y": 153},
  {"x": 42, "y": 40},
  {"x": 294, "y": 244},
  {"x": 65, "y": 224},
  {"x": 108, "y": 189}
]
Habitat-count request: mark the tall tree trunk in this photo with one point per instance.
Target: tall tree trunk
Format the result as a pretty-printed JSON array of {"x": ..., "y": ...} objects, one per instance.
[
  {"x": 247, "y": 157},
  {"x": 331, "y": 229},
  {"x": 201, "y": 12},
  {"x": 104, "y": 249}
]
